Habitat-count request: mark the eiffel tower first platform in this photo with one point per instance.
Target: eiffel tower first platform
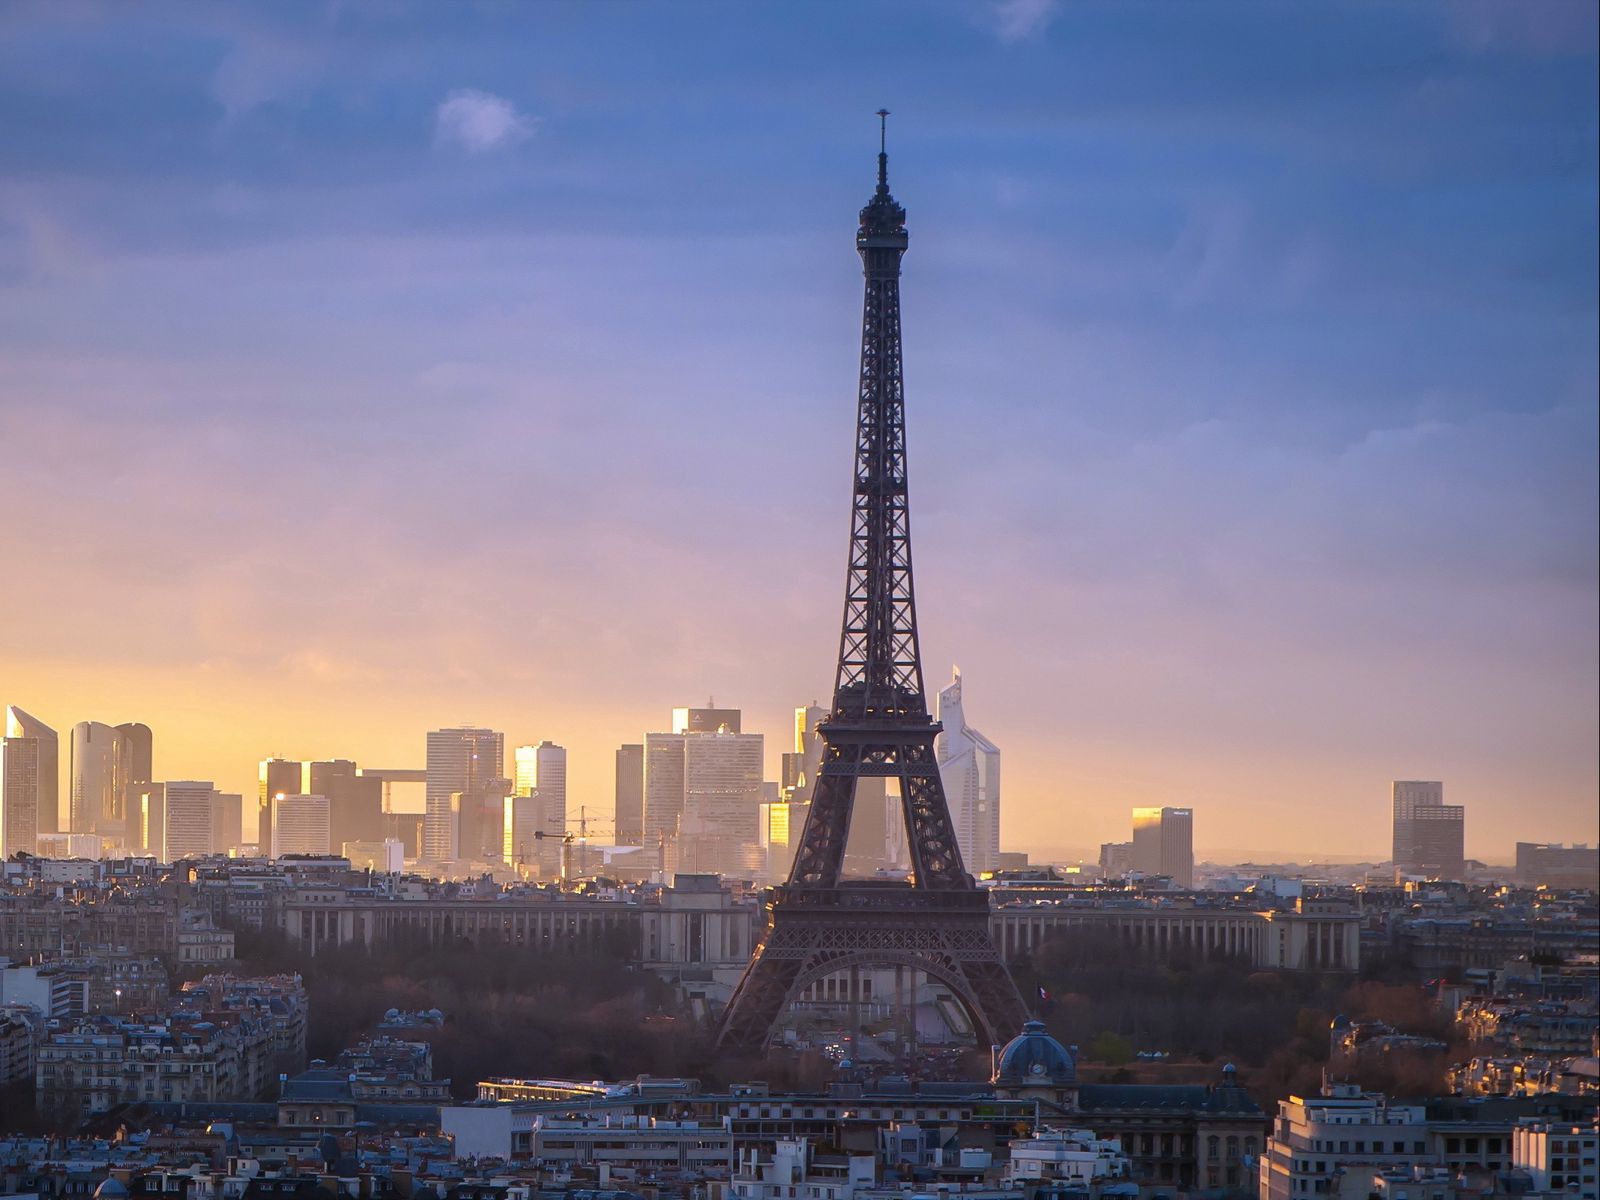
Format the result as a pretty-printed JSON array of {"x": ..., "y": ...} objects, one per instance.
[{"x": 938, "y": 922}]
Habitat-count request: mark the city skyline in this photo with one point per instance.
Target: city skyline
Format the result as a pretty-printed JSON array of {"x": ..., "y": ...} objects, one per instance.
[{"x": 1273, "y": 507}]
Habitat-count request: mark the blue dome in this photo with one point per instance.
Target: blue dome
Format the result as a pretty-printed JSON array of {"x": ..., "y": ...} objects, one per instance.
[
  {"x": 111, "y": 1189},
  {"x": 1034, "y": 1057}
]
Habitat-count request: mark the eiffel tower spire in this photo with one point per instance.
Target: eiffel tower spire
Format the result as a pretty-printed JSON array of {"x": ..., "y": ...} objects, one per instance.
[{"x": 879, "y": 726}]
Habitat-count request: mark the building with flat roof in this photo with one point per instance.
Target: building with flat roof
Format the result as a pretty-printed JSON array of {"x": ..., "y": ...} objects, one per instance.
[{"x": 1163, "y": 843}]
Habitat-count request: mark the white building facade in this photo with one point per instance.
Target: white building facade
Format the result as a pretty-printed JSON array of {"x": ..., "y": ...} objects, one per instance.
[{"x": 969, "y": 764}]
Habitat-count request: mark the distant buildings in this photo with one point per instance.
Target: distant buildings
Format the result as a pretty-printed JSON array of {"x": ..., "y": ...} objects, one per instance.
[
  {"x": 800, "y": 765},
  {"x": 1550, "y": 864},
  {"x": 703, "y": 793},
  {"x": 969, "y": 764},
  {"x": 187, "y": 820},
  {"x": 94, "y": 792},
  {"x": 1429, "y": 835},
  {"x": 1116, "y": 859},
  {"x": 135, "y": 766},
  {"x": 301, "y": 824},
  {"x": 20, "y": 725},
  {"x": 461, "y": 763},
  {"x": 1163, "y": 843},
  {"x": 534, "y": 820},
  {"x": 19, "y": 795},
  {"x": 630, "y": 795},
  {"x": 355, "y": 801},
  {"x": 277, "y": 777},
  {"x": 719, "y": 827}
]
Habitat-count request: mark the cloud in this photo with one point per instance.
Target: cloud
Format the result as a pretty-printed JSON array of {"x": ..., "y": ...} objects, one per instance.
[
  {"x": 477, "y": 121},
  {"x": 1019, "y": 20}
]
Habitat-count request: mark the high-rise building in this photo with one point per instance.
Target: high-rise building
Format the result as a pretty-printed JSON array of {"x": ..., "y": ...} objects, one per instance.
[
  {"x": 301, "y": 824},
  {"x": 1429, "y": 835},
  {"x": 188, "y": 817},
  {"x": 1550, "y": 864},
  {"x": 276, "y": 777},
  {"x": 524, "y": 830},
  {"x": 355, "y": 801},
  {"x": 781, "y": 823},
  {"x": 630, "y": 795},
  {"x": 720, "y": 824},
  {"x": 95, "y": 794},
  {"x": 460, "y": 761},
  {"x": 663, "y": 787},
  {"x": 702, "y": 791},
  {"x": 536, "y": 819},
  {"x": 877, "y": 837},
  {"x": 19, "y": 795},
  {"x": 149, "y": 817},
  {"x": 20, "y": 725},
  {"x": 135, "y": 765},
  {"x": 227, "y": 821},
  {"x": 969, "y": 764},
  {"x": 550, "y": 780},
  {"x": 1163, "y": 843},
  {"x": 705, "y": 720},
  {"x": 525, "y": 769},
  {"x": 480, "y": 817},
  {"x": 800, "y": 766}
]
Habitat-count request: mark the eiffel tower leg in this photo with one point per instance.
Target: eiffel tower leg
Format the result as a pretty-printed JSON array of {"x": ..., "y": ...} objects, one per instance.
[{"x": 758, "y": 1001}]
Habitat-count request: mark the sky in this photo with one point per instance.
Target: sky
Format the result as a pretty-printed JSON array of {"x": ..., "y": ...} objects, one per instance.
[{"x": 371, "y": 368}]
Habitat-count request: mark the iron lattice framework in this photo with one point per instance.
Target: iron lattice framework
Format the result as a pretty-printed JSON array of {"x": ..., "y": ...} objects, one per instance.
[{"x": 879, "y": 726}]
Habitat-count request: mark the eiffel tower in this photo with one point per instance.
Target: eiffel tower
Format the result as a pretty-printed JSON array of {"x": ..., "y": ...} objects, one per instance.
[{"x": 938, "y": 923}]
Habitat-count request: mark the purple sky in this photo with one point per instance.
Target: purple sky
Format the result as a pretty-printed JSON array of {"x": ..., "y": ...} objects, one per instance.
[{"x": 371, "y": 368}]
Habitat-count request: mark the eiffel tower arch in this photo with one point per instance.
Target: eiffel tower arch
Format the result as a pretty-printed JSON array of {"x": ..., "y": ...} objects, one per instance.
[{"x": 879, "y": 725}]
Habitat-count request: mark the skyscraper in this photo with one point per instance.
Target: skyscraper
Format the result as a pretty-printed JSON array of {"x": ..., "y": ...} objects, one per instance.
[
  {"x": 480, "y": 820},
  {"x": 135, "y": 765},
  {"x": 96, "y": 755},
  {"x": 148, "y": 814},
  {"x": 19, "y": 795},
  {"x": 630, "y": 795},
  {"x": 1163, "y": 843},
  {"x": 227, "y": 821},
  {"x": 720, "y": 824},
  {"x": 459, "y": 761},
  {"x": 550, "y": 785},
  {"x": 702, "y": 791},
  {"x": 663, "y": 787},
  {"x": 20, "y": 725},
  {"x": 187, "y": 823},
  {"x": 355, "y": 801},
  {"x": 300, "y": 825},
  {"x": 276, "y": 777},
  {"x": 1429, "y": 835},
  {"x": 525, "y": 769},
  {"x": 969, "y": 764},
  {"x": 800, "y": 766}
]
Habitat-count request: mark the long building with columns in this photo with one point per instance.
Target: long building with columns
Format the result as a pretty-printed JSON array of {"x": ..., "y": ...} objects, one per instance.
[
  {"x": 1318, "y": 936},
  {"x": 699, "y": 927}
]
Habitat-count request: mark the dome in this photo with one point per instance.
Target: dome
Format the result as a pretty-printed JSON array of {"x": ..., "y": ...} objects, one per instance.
[
  {"x": 1034, "y": 1057},
  {"x": 111, "y": 1189}
]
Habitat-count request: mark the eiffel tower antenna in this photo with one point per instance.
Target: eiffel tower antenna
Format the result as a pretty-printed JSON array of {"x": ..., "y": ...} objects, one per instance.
[{"x": 879, "y": 726}]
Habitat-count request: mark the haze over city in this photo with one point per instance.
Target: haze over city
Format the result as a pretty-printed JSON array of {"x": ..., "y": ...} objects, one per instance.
[{"x": 367, "y": 370}]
